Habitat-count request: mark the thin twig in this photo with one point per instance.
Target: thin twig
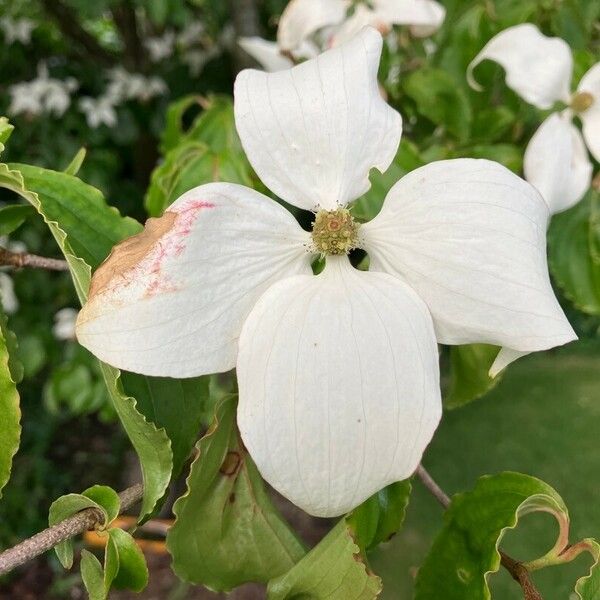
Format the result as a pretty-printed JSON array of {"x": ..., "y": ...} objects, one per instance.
[
  {"x": 46, "y": 540},
  {"x": 517, "y": 571},
  {"x": 23, "y": 259}
]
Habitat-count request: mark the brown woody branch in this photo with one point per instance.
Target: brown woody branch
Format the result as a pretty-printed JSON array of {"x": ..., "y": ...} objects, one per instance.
[
  {"x": 46, "y": 540},
  {"x": 67, "y": 21},
  {"x": 125, "y": 19},
  {"x": 23, "y": 259},
  {"x": 517, "y": 571}
]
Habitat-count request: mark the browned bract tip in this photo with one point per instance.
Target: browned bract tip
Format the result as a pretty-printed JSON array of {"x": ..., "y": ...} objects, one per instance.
[{"x": 130, "y": 252}]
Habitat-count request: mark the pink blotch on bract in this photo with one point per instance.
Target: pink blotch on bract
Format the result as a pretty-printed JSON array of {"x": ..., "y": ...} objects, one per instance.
[{"x": 173, "y": 244}]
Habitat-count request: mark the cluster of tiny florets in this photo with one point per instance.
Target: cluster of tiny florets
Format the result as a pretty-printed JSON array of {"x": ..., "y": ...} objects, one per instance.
[
  {"x": 334, "y": 231},
  {"x": 582, "y": 101}
]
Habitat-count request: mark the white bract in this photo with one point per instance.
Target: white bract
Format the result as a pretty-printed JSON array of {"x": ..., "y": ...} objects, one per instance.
[
  {"x": 540, "y": 70},
  {"x": 309, "y": 26},
  {"x": 338, "y": 373}
]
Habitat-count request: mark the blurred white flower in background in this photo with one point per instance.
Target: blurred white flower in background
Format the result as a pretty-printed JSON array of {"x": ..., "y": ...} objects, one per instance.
[
  {"x": 17, "y": 30},
  {"x": 64, "y": 324},
  {"x": 307, "y": 27},
  {"x": 191, "y": 34},
  {"x": 43, "y": 95},
  {"x": 10, "y": 302},
  {"x": 99, "y": 111},
  {"x": 540, "y": 70},
  {"x": 160, "y": 48}
]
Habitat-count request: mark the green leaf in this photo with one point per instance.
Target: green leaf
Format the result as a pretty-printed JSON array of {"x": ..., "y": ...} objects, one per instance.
[
  {"x": 466, "y": 549},
  {"x": 13, "y": 180},
  {"x": 151, "y": 444},
  {"x": 469, "y": 373},
  {"x": 210, "y": 150},
  {"x": 227, "y": 532},
  {"x": 588, "y": 587},
  {"x": 332, "y": 570},
  {"x": 509, "y": 155},
  {"x": 102, "y": 498},
  {"x": 132, "y": 573},
  {"x": 189, "y": 165},
  {"x": 13, "y": 216},
  {"x": 10, "y": 412},
  {"x": 5, "y": 131},
  {"x": 407, "y": 159},
  {"x": 92, "y": 575},
  {"x": 441, "y": 99},
  {"x": 572, "y": 238},
  {"x": 124, "y": 567},
  {"x": 178, "y": 405},
  {"x": 381, "y": 516},
  {"x": 92, "y": 227},
  {"x": 76, "y": 162},
  {"x": 174, "y": 131}
]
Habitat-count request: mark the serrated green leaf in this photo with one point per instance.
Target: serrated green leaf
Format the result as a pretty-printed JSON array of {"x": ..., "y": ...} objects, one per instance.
[
  {"x": 75, "y": 164},
  {"x": 439, "y": 98},
  {"x": 465, "y": 551},
  {"x": 571, "y": 255},
  {"x": 588, "y": 587},
  {"x": 227, "y": 532},
  {"x": 381, "y": 516},
  {"x": 102, "y": 498},
  {"x": 178, "y": 405},
  {"x": 5, "y": 131},
  {"x": 91, "y": 225},
  {"x": 469, "y": 373},
  {"x": 13, "y": 216},
  {"x": 10, "y": 411},
  {"x": 332, "y": 570},
  {"x": 191, "y": 164},
  {"x": 174, "y": 130},
  {"x": 151, "y": 443},
  {"x": 92, "y": 575},
  {"x": 132, "y": 572}
]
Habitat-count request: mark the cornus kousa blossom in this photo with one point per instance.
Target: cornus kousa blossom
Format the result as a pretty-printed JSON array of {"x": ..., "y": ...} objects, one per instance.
[
  {"x": 308, "y": 26},
  {"x": 338, "y": 373},
  {"x": 540, "y": 70}
]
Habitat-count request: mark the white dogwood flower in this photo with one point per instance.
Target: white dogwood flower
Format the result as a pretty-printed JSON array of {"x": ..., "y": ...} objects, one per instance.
[
  {"x": 309, "y": 26},
  {"x": 338, "y": 373},
  {"x": 540, "y": 70}
]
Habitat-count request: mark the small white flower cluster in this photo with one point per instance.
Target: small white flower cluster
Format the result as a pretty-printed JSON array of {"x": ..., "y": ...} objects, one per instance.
[
  {"x": 10, "y": 302},
  {"x": 123, "y": 86},
  {"x": 195, "y": 46},
  {"x": 42, "y": 95},
  {"x": 16, "y": 30}
]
